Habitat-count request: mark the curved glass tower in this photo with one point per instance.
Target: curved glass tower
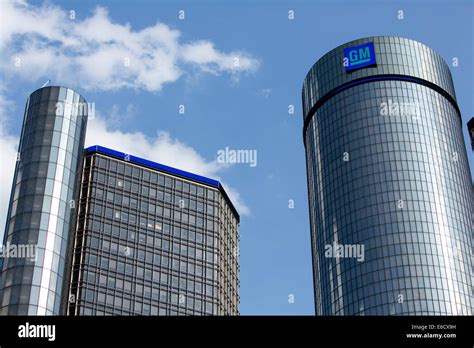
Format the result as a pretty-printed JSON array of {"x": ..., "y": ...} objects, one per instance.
[
  {"x": 388, "y": 180},
  {"x": 42, "y": 201}
]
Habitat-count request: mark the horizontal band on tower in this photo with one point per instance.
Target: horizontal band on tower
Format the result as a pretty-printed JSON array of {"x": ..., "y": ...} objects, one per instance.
[{"x": 363, "y": 80}]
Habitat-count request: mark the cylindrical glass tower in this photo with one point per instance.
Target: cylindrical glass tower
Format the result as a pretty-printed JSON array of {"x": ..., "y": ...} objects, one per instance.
[
  {"x": 42, "y": 201},
  {"x": 388, "y": 180}
]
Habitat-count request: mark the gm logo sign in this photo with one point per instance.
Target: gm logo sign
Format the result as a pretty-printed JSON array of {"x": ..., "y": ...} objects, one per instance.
[{"x": 359, "y": 56}]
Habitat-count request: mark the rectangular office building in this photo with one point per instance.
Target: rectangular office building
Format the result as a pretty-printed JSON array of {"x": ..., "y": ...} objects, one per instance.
[{"x": 152, "y": 240}]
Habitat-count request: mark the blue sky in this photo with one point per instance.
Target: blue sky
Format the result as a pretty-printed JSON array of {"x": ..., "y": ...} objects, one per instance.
[{"x": 243, "y": 108}]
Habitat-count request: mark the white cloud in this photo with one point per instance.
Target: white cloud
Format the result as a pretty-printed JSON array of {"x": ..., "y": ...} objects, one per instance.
[
  {"x": 19, "y": 18},
  {"x": 119, "y": 116},
  {"x": 96, "y": 53},
  {"x": 8, "y": 151},
  {"x": 162, "y": 149},
  {"x": 209, "y": 59}
]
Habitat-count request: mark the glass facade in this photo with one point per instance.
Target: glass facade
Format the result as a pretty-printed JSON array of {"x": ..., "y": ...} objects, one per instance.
[
  {"x": 150, "y": 242},
  {"x": 42, "y": 201},
  {"x": 388, "y": 177}
]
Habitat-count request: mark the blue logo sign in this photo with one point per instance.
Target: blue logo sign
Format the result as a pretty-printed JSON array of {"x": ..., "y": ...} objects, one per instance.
[{"x": 359, "y": 56}]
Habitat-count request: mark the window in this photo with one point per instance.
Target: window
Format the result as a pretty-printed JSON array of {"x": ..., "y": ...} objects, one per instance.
[
  {"x": 118, "y": 302},
  {"x": 165, "y": 261},
  {"x": 160, "y": 195},
  {"x": 107, "y": 228},
  {"x": 138, "y": 289},
  {"x": 115, "y": 230},
  {"x": 135, "y": 187},
  {"x": 154, "y": 294},
  {"x": 111, "y": 180},
  {"x": 94, "y": 242},
  {"x": 200, "y": 206},
  {"x": 210, "y": 209},
  {"x": 126, "y": 184},
  {"x": 150, "y": 224},
  {"x": 101, "y": 178},
  {"x": 156, "y": 261},
  {"x": 186, "y": 187},
  {"x": 124, "y": 216},
  {"x": 210, "y": 194},
  {"x": 113, "y": 166},
  {"x": 120, "y": 167},
  {"x": 151, "y": 208},
  {"x": 136, "y": 172},
  {"x": 96, "y": 225},
  {"x": 101, "y": 297}
]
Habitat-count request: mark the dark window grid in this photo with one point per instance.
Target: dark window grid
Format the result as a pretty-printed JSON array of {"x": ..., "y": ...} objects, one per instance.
[
  {"x": 116, "y": 257},
  {"x": 137, "y": 210}
]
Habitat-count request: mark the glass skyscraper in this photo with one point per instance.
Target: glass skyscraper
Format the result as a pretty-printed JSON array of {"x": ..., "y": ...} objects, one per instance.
[
  {"x": 42, "y": 201},
  {"x": 111, "y": 233},
  {"x": 389, "y": 183},
  {"x": 152, "y": 240}
]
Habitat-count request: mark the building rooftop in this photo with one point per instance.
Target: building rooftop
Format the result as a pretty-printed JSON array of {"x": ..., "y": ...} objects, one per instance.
[{"x": 164, "y": 168}]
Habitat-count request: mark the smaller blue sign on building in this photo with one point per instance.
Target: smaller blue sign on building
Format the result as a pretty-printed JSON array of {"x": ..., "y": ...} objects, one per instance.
[{"x": 360, "y": 56}]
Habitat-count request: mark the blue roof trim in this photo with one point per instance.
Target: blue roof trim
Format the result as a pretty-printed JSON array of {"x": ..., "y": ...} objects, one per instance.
[{"x": 155, "y": 165}]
